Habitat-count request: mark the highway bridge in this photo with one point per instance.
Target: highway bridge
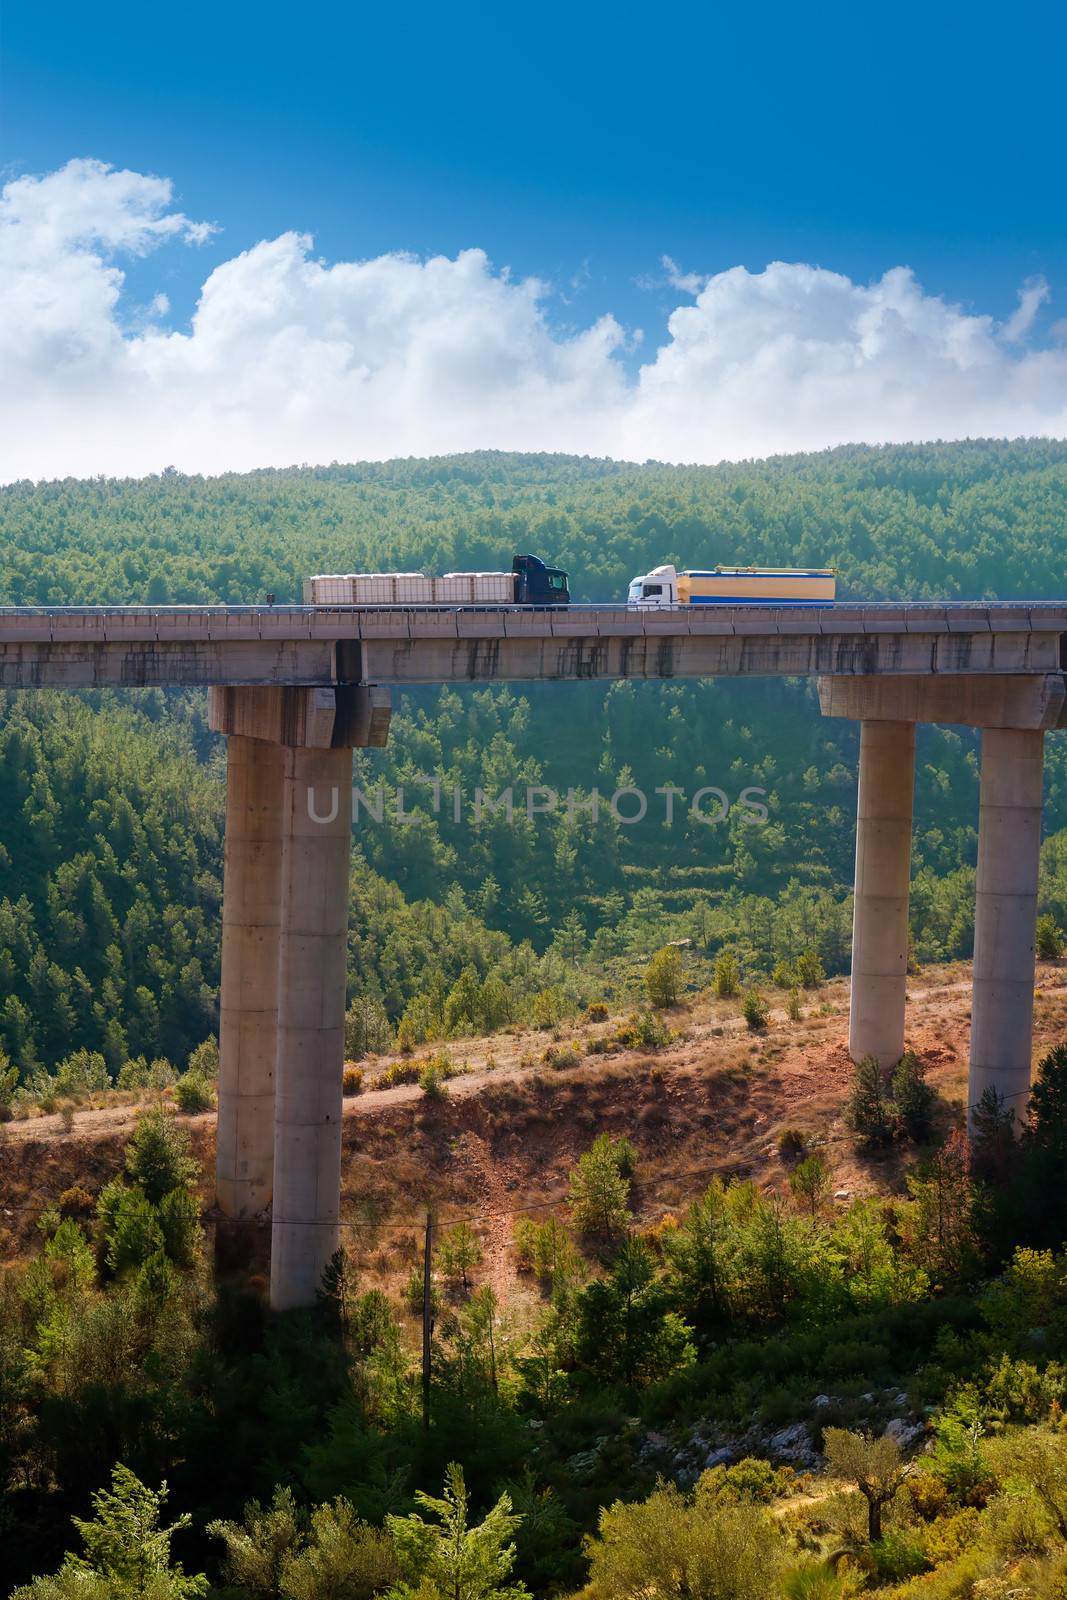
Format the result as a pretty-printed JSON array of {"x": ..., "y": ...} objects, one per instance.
[
  {"x": 296, "y": 688},
  {"x": 318, "y": 646}
]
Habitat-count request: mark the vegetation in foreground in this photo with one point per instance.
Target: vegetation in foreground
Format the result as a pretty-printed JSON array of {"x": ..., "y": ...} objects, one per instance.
[{"x": 756, "y": 1398}]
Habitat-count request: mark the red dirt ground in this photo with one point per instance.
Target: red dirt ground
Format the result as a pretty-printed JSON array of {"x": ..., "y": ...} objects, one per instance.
[{"x": 504, "y": 1139}]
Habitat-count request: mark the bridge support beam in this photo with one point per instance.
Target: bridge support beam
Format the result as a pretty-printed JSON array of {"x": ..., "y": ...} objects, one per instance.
[
  {"x": 312, "y": 958},
  {"x": 282, "y": 1005},
  {"x": 1009, "y": 842},
  {"x": 248, "y": 1009},
  {"x": 1014, "y": 712},
  {"x": 883, "y": 871}
]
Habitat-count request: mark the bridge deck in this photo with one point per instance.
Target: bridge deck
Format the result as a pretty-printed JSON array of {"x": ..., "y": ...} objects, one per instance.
[
  {"x": 127, "y": 646},
  {"x": 121, "y": 624}
]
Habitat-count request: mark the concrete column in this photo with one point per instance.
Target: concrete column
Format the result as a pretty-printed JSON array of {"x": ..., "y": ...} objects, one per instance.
[
  {"x": 1009, "y": 841},
  {"x": 317, "y": 818},
  {"x": 883, "y": 872},
  {"x": 244, "y": 1157}
]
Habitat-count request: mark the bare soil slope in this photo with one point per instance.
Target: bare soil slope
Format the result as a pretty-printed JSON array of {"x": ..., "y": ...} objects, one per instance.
[{"x": 501, "y": 1143}]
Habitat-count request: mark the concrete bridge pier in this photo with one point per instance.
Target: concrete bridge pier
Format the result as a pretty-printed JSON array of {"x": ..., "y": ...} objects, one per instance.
[
  {"x": 248, "y": 1010},
  {"x": 1014, "y": 711},
  {"x": 1009, "y": 844},
  {"x": 312, "y": 958},
  {"x": 285, "y": 922},
  {"x": 883, "y": 874}
]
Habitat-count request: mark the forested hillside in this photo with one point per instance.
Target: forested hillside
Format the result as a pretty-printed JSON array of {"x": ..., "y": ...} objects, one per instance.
[
  {"x": 631, "y": 1360},
  {"x": 111, "y": 864},
  {"x": 983, "y": 518}
]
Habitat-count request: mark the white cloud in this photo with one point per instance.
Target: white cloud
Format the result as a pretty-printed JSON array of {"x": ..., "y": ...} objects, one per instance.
[
  {"x": 290, "y": 358},
  {"x": 687, "y": 282},
  {"x": 1032, "y": 296}
]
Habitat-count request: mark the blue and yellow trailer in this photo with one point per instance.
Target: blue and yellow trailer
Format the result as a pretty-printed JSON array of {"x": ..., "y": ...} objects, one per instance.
[{"x": 731, "y": 586}]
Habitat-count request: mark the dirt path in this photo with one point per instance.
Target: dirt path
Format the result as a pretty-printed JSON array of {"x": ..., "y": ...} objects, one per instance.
[
  {"x": 504, "y": 1139},
  {"x": 938, "y": 1028}
]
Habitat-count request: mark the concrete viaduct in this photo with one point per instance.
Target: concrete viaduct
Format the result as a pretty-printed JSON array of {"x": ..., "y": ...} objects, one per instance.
[{"x": 296, "y": 688}]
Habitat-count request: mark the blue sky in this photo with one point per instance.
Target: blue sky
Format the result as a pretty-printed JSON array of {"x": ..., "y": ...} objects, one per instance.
[
  {"x": 580, "y": 144},
  {"x": 577, "y": 141}
]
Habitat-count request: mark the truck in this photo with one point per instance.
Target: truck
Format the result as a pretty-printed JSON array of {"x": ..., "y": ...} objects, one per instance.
[
  {"x": 732, "y": 586},
  {"x": 531, "y": 582}
]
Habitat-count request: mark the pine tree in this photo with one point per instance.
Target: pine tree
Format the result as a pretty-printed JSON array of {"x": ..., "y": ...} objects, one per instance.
[
  {"x": 810, "y": 1182},
  {"x": 993, "y": 1137},
  {"x": 1049, "y": 939},
  {"x": 600, "y": 1192},
  {"x": 867, "y": 1112},
  {"x": 257, "y": 1547},
  {"x": 125, "y": 1546},
  {"x": 663, "y": 977},
  {"x": 1048, "y": 1103},
  {"x": 449, "y": 1556},
  {"x": 726, "y": 976},
  {"x": 459, "y": 1251},
  {"x": 627, "y": 1330},
  {"x": 941, "y": 1224},
  {"x": 158, "y": 1157},
  {"x": 913, "y": 1098}
]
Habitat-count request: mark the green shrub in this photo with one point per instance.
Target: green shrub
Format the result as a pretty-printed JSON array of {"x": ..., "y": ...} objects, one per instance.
[
  {"x": 412, "y": 1293},
  {"x": 600, "y": 1190},
  {"x": 84, "y": 1072},
  {"x": 205, "y": 1058},
  {"x": 132, "y": 1230},
  {"x": 810, "y": 1182},
  {"x": 158, "y": 1155},
  {"x": 193, "y": 1093},
  {"x": 458, "y": 1252},
  {"x": 179, "y": 1218},
  {"x": 673, "y": 1544},
  {"x": 133, "y": 1074},
  {"x": 1050, "y": 942},
  {"x": 868, "y": 1113},
  {"x": 726, "y": 978},
  {"x": 401, "y": 1072},
  {"x": 643, "y": 1031},
  {"x": 547, "y": 1250},
  {"x": 913, "y": 1098},
  {"x": 752, "y": 1478},
  {"x": 755, "y": 1010},
  {"x": 367, "y": 1028},
  {"x": 546, "y": 1008},
  {"x": 161, "y": 1074},
  {"x": 561, "y": 1056},
  {"x": 9, "y": 1078},
  {"x": 596, "y": 1011},
  {"x": 433, "y": 1081},
  {"x": 663, "y": 977},
  {"x": 810, "y": 970},
  {"x": 898, "y": 1555}
]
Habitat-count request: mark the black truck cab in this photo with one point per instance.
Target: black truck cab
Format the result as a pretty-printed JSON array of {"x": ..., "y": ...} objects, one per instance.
[{"x": 538, "y": 585}]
